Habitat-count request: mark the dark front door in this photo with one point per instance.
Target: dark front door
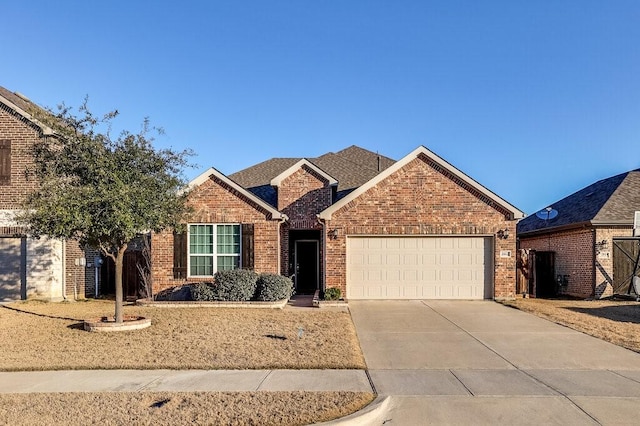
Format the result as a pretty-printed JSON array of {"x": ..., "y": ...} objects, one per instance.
[
  {"x": 545, "y": 278},
  {"x": 306, "y": 261}
]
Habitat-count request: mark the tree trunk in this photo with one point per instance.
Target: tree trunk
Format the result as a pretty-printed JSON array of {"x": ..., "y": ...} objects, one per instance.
[{"x": 119, "y": 261}]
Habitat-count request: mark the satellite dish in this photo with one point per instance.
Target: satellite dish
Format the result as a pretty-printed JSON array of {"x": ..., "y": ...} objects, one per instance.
[{"x": 547, "y": 214}]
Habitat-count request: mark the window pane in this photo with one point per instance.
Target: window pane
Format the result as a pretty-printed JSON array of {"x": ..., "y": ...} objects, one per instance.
[
  {"x": 201, "y": 265},
  {"x": 226, "y": 263},
  {"x": 201, "y": 239},
  {"x": 228, "y": 239}
]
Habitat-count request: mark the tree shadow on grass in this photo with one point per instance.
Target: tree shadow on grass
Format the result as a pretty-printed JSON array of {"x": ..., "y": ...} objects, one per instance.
[
  {"x": 626, "y": 313},
  {"x": 76, "y": 326},
  {"x": 39, "y": 315}
]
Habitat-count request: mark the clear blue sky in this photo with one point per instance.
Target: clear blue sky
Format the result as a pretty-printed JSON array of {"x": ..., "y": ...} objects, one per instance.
[{"x": 533, "y": 99}]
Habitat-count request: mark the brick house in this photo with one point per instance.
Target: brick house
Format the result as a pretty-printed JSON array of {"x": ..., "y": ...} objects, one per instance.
[
  {"x": 375, "y": 228},
  {"x": 30, "y": 268},
  {"x": 586, "y": 246}
]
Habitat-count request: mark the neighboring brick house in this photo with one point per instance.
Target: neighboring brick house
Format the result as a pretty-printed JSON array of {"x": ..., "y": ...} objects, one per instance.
[
  {"x": 417, "y": 228},
  {"x": 586, "y": 247},
  {"x": 30, "y": 268}
]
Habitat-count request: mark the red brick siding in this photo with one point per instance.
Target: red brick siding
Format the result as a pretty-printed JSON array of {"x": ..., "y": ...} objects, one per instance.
[
  {"x": 22, "y": 136},
  {"x": 216, "y": 202},
  {"x": 76, "y": 277},
  {"x": 422, "y": 199},
  {"x": 590, "y": 273},
  {"x": 301, "y": 196},
  {"x": 574, "y": 257}
]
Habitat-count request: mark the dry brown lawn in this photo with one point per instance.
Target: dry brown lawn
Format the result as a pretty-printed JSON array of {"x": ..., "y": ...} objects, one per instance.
[
  {"x": 617, "y": 322},
  {"x": 49, "y": 336},
  {"x": 167, "y": 408}
]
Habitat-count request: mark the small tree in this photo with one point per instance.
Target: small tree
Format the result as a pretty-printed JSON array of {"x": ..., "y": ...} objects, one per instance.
[{"x": 103, "y": 191}]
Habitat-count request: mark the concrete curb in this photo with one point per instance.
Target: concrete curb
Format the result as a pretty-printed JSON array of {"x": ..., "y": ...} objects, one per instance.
[{"x": 373, "y": 413}]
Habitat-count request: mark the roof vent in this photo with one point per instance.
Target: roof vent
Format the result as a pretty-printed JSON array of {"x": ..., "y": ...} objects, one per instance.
[{"x": 21, "y": 96}]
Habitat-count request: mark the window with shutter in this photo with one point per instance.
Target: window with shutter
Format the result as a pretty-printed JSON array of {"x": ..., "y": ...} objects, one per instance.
[
  {"x": 5, "y": 162},
  {"x": 213, "y": 247}
]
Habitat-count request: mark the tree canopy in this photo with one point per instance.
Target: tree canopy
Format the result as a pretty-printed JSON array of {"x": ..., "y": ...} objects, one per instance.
[{"x": 100, "y": 190}]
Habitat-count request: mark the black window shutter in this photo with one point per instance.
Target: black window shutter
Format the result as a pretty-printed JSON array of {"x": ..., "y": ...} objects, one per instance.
[
  {"x": 5, "y": 162},
  {"x": 247, "y": 246},
  {"x": 179, "y": 255}
]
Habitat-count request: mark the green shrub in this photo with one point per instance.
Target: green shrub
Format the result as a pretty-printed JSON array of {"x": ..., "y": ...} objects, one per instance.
[
  {"x": 332, "y": 293},
  {"x": 234, "y": 285},
  {"x": 202, "y": 292},
  {"x": 272, "y": 287}
]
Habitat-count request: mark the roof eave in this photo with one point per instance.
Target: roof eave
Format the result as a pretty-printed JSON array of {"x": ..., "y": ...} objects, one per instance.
[
  {"x": 276, "y": 181},
  {"x": 552, "y": 229},
  {"x": 46, "y": 131},
  {"x": 328, "y": 212},
  {"x": 612, "y": 222},
  {"x": 199, "y": 180}
]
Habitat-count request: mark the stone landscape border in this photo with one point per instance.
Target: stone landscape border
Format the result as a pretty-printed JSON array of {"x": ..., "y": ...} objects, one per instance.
[
  {"x": 319, "y": 303},
  {"x": 280, "y": 304},
  {"x": 108, "y": 324}
]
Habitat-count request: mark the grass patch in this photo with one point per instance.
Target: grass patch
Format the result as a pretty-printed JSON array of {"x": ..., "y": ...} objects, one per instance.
[
  {"x": 173, "y": 408},
  {"x": 617, "y": 322},
  {"x": 49, "y": 336}
]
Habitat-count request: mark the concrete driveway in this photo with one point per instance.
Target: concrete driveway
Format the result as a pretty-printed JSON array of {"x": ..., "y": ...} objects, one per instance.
[{"x": 458, "y": 362}]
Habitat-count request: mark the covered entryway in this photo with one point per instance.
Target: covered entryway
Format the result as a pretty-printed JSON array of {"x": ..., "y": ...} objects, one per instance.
[
  {"x": 12, "y": 269},
  {"x": 304, "y": 255},
  {"x": 440, "y": 267}
]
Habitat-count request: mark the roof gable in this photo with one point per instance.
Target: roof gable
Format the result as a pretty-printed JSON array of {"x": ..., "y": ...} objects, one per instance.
[
  {"x": 21, "y": 106},
  {"x": 421, "y": 150},
  {"x": 258, "y": 201},
  {"x": 610, "y": 201},
  {"x": 350, "y": 167},
  {"x": 276, "y": 181}
]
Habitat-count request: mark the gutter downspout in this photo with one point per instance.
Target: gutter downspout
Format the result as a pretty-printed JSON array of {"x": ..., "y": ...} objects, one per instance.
[
  {"x": 323, "y": 284},
  {"x": 594, "y": 260},
  {"x": 281, "y": 220}
]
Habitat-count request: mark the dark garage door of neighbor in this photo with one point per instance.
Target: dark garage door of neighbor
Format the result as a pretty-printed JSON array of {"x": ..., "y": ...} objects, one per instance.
[{"x": 12, "y": 269}]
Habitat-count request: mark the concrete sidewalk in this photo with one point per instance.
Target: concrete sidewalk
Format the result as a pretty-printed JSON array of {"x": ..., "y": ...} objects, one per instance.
[{"x": 184, "y": 381}]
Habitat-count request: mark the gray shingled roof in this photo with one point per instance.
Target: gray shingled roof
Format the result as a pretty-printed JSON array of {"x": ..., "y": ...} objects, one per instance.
[
  {"x": 20, "y": 101},
  {"x": 351, "y": 167},
  {"x": 610, "y": 201}
]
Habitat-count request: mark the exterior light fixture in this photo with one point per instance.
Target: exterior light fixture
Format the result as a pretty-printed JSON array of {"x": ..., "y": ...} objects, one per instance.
[
  {"x": 503, "y": 234},
  {"x": 333, "y": 234}
]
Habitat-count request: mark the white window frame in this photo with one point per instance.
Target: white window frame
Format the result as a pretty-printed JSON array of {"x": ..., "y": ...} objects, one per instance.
[{"x": 215, "y": 253}]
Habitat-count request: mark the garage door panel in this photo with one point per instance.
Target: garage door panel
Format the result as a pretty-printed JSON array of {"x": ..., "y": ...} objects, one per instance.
[
  {"x": 11, "y": 269},
  {"x": 419, "y": 267}
]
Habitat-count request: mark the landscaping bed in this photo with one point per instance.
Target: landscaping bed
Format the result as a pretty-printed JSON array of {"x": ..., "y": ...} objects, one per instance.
[
  {"x": 614, "y": 321},
  {"x": 173, "y": 408},
  {"x": 48, "y": 336}
]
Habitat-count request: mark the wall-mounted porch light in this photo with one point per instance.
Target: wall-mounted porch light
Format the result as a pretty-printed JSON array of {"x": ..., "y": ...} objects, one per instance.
[
  {"x": 333, "y": 234},
  {"x": 503, "y": 234}
]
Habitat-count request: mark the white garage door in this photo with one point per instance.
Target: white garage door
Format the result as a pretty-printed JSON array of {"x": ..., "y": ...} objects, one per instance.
[
  {"x": 11, "y": 267},
  {"x": 419, "y": 268}
]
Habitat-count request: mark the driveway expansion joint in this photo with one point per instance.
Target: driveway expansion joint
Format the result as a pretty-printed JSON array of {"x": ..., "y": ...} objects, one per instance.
[
  {"x": 266, "y": 376},
  {"x": 461, "y": 382}
]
